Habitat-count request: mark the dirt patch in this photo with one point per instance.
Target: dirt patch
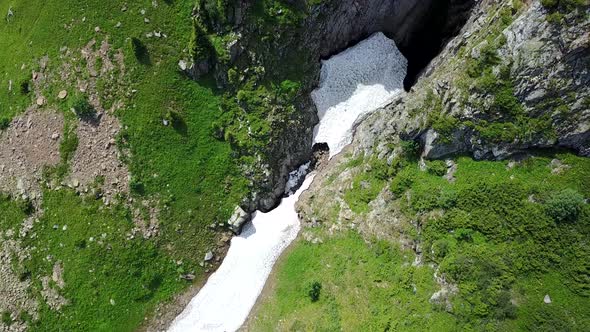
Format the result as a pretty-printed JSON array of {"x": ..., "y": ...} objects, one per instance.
[
  {"x": 14, "y": 296},
  {"x": 30, "y": 143},
  {"x": 51, "y": 287},
  {"x": 96, "y": 161},
  {"x": 97, "y": 156}
]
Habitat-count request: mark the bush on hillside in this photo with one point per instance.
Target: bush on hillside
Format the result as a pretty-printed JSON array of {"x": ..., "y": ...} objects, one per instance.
[
  {"x": 82, "y": 107},
  {"x": 200, "y": 47},
  {"x": 25, "y": 87},
  {"x": 314, "y": 291},
  {"x": 437, "y": 167},
  {"x": 410, "y": 149},
  {"x": 565, "y": 206},
  {"x": 140, "y": 51},
  {"x": 4, "y": 122}
]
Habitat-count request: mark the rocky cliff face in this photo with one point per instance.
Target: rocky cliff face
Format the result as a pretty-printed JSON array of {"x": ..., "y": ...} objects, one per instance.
[
  {"x": 513, "y": 80},
  {"x": 419, "y": 28}
]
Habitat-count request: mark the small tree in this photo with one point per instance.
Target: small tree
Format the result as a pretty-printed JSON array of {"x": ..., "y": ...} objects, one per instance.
[
  {"x": 200, "y": 48},
  {"x": 565, "y": 205},
  {"x": 437, "y": 167},
  {"x": 314, "y": 291},
  {"x": 6, "y": 318},
  {"x": 4, "y": 122},
  {"x": 25, "y": 87}
]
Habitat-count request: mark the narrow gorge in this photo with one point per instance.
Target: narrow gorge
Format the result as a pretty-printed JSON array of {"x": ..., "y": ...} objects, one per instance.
[{"x": 353, "y": 83}]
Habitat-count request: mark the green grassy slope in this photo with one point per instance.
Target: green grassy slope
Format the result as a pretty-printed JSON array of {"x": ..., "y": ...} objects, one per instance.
[
  {"x": 499, "y": 233},
  {"x": 191, "y": 175}
]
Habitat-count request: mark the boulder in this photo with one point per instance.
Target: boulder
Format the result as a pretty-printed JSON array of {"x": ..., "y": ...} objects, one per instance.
[
  {"x": 238, "y": 219},
  {"x": 547, "y": 299}
]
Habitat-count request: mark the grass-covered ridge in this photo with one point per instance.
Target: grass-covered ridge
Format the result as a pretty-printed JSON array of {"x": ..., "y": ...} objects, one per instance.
[
  {"x": 181, "y": 170},
  {"x": 504, "y": 233}
]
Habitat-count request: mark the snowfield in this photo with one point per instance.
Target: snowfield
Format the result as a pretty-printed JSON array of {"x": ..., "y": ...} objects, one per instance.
[
  {"x": 224, "y": 303},
  {"x": 354, "y": 82}
]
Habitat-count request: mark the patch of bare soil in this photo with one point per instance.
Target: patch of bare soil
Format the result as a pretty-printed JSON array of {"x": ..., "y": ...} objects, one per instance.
[
  {"x": 14, "y": 295},
  {"x": 51, "y": 287},
  {"x": 30, "y": 143},
  {"x": 97, "y": 155}
]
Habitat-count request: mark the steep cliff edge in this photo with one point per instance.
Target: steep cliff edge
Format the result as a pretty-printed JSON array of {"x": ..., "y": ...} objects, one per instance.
[
  {"x": 273, "y": 45},
  {"x": 512, "y": 80}
]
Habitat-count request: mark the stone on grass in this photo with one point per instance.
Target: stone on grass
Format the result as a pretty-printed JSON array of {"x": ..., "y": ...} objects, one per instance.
[
  {"x": 62, "y": 94},
  {"x": 182, "y": 64},
  {"x": 547, "y": 299},
  {"x": 208, "y": 256}
]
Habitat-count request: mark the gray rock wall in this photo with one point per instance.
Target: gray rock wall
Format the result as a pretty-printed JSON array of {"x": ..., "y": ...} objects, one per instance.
[{"x": 548, "y": 66}]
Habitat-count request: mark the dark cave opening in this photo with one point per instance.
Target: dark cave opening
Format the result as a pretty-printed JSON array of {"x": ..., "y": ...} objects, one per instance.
[
  {"x": 420, "y": 29},
  {"x": 442, "y": 21}
]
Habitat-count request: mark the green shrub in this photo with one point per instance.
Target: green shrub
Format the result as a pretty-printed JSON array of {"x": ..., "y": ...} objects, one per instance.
[
  {"x": 25, "y": 87},
  {"x": 506, "y": 103},
  {"x": 25, "y": 205},
  {"x": 402, "y": 182},
  {"x": 200, "y": 47},
  {"x": 437, "y": 167},
  {"x": 4, "y": 122},
  {"x": 6, "y": 319},
  {"x": 549, "y": 3},
  {"x": 314, "y": 291},
  {"x": 559, "y": 8},
  {"x": 488, "y": 57},
  {"x": 136, "y": 186},
  {"x": 444, "y": 125},
  {"x": 410, "y": 149},
  {"x": 140, "y": 51},
  {"x": 565, "y": 206},
  {"x": 366, "y": 187},
  {"x": 82, "y": 107}
]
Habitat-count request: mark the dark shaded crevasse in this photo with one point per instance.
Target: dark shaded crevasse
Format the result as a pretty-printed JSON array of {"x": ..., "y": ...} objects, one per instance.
[{"x": 442, "y": 22}]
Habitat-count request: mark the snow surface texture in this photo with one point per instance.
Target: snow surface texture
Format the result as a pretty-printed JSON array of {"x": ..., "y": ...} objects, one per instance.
[
  {"x": 353, "y": 83},
  {"x": 225, "y": 301}
]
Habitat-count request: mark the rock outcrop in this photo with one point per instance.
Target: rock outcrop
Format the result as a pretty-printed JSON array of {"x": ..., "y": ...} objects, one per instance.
[{"x": 513, "y": 80}]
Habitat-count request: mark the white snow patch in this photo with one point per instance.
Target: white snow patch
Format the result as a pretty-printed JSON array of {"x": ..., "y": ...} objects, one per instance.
[
  {"x": 355, "y": 82},
  {"x": 225, "y": 301}
]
